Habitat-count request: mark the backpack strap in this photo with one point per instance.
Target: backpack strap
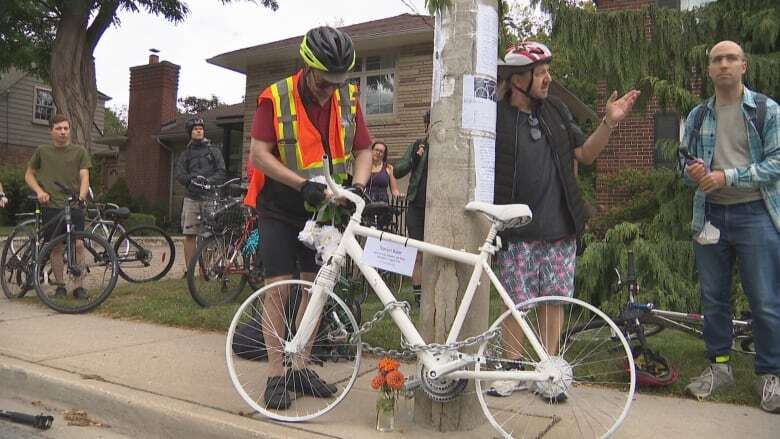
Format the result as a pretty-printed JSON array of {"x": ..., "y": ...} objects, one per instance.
[
  {"x": 698, "y": 120},
  {"x": 757, "y": 117}
]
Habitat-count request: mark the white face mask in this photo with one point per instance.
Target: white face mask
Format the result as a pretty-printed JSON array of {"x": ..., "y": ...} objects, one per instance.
[{"x": 709, "y": 235}]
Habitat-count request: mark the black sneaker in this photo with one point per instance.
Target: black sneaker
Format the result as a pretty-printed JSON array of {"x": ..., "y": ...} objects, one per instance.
[
  {"x": 307, "y": 382},
  {"x": 276, "y": 396},
  {"x": 80, "y": 293},
  {"x": 60, "y": 292}
]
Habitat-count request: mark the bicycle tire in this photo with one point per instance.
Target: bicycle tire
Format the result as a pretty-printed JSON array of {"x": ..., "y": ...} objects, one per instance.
[
  {"x": 28, "y": 224},
  {"x": 249, "y": 377},
  {"x": 97, "y": 251},
  {"x": 649, "y": 326},
  {"x": 590, "y": 387},
  {"x": 211, "y": 278},
  {"x": 141, "y": 260},
  {"x": 16, "y": 263}
]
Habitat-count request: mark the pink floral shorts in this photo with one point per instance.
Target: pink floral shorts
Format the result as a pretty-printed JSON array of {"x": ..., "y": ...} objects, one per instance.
[{"x": 530, "y": 269}]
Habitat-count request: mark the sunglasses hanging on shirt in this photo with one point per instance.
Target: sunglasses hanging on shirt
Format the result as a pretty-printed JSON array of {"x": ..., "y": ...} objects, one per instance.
[{"x": 535, "y": 131}]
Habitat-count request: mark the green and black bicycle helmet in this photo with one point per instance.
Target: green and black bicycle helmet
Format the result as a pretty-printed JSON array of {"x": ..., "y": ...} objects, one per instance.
[{"x": 329, "y": 50}]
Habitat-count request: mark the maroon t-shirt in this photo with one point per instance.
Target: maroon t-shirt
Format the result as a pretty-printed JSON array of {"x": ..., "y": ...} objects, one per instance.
[{"x": 278, "y": 200}]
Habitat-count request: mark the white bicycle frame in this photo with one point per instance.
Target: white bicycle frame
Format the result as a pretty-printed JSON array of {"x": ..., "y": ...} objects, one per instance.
[{"x": 437, "y": 365}]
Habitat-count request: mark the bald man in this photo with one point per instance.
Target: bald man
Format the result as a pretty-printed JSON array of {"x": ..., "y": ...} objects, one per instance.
[{"x": 736, "y": 218}]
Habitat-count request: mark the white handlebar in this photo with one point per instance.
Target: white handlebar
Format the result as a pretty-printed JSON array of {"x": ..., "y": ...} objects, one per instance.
[{"x": 338, "y": 190}]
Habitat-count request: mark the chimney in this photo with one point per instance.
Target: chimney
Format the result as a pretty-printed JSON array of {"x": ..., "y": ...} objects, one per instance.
[{"x": 153, "y": 90}]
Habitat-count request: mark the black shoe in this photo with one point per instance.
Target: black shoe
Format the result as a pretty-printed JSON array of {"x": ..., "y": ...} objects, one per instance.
[
  {"x": 80, "y": 293},
  {"x": 60, "y": 292},
  {"x": 276, "y": 396},
  {"x": 307, "y": 382}
]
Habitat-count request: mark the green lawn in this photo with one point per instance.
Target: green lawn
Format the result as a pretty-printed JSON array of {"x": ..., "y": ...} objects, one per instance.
[{"x": 169, "y": 303}]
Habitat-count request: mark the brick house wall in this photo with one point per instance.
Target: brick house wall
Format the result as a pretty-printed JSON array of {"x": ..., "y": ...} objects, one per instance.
[
  {"x": 413, "y": 76},
  {"x": 153, "y": 91},
  {"x": 632, "y": 144}
]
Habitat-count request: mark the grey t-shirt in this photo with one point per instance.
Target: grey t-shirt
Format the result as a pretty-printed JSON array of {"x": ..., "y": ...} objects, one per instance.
[
  {"x": 538, "y": 185},
  {"x": 731, "y": 150}
]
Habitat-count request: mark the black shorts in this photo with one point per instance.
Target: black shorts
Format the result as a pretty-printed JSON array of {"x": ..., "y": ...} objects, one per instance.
[
  {"x": 58, "y": 227},
  {"x": 281, "y": 251},
  {"x": 415, "y": 222}
]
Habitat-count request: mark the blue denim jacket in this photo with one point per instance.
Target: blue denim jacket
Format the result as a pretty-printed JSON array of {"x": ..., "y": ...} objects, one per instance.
[{"x": 764, "y": 169}]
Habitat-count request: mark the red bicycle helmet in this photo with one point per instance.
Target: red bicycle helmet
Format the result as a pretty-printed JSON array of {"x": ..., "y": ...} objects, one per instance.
[{"x": 523, "y": 57}]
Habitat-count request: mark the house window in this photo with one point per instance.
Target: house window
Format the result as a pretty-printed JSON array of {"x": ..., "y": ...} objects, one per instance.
[
  {"x": 43, "y": 106},
  {"x": 667, "y": 128},
  {"x": 375, "y": 78}
]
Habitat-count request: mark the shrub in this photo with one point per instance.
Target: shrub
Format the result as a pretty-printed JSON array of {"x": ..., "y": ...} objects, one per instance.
[
  {"x": 654, "y": 222},
  {"x": 137, "y": 219},
  {"x": 16, "y": 190}
]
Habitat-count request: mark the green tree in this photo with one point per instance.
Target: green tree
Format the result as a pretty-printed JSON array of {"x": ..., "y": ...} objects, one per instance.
[
  {"x": 196, "y": 105},
  {"x": 666, "y": 59},
  {"x": 115, "y": 123},
  {"x": 56, "y": 39}
]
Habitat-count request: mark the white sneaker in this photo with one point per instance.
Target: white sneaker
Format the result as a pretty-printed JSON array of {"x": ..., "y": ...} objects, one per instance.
[{"x": 506, "y": 387}]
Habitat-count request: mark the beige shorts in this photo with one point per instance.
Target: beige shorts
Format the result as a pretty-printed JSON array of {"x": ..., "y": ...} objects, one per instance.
[{"x": 190, "y": 213}]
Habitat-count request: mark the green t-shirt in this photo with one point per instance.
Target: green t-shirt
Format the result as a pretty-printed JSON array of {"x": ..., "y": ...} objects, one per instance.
[{"x": 62, "y": 164}]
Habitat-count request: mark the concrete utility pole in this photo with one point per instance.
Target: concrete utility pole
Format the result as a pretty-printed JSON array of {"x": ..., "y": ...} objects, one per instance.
[{"x": 451, "y": 185}]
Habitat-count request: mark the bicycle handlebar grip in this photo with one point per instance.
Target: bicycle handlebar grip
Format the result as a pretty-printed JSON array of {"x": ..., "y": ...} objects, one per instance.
[
  {"x": 41, "y": 422},
  {"x": 631, "y": 266}
]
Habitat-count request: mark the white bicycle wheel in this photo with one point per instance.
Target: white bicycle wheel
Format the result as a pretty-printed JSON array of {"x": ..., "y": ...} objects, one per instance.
[
  {"x": 334, "y": 357},
  {"x": 591, "y": 383},
  {"x": 103, "y": 229}
]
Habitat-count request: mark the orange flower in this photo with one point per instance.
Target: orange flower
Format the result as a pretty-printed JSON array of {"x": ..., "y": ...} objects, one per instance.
[
  {"x": 395, "y": 380},
  {"x": 378, "y": 382},
  {"x": 388, "y": 365}
]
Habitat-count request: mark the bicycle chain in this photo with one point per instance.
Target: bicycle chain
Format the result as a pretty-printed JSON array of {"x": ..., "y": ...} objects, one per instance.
[{"x": 409, "y": 352}]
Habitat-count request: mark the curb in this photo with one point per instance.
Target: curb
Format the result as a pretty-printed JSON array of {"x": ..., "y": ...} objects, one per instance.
[{"x": 128, "y": 408}]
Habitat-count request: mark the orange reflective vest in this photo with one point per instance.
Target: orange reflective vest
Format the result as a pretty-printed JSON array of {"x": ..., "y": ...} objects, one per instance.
[{"x": 300, "y": 144}]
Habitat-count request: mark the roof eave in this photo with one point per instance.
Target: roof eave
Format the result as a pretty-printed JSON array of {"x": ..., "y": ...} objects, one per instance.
[{"x": 239, "y": 60}]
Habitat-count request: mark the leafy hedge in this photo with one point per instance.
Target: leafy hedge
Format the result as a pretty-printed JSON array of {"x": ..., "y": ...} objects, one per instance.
[
  {"x": 16, "y": 191},
  {"x": 655, "y": 224}
]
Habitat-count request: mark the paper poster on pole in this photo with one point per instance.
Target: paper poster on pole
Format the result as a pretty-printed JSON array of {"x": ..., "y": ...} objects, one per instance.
[
  {"x": 479, "y": 103},
  {"x": 484, "y": 167},
  {"x": 438, "y": 67},
  {"x": 389, "y": 256},
  {"x": 487, "y": 40}
]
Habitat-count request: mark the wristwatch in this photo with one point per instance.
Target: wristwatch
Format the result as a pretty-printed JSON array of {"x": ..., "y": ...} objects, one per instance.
[{"x": 605, "y": 122}]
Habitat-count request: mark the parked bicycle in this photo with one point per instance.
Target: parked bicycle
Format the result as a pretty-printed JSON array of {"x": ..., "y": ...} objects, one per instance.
[
  {"x": 641, "y": 320},
  {"x": 225, "y": 259},
  {"x": 592, "y": 377},
  {"x": 71, "y": 273},
  {"x": 145, "y": 253},
  {"x": 96, "y": 221}
]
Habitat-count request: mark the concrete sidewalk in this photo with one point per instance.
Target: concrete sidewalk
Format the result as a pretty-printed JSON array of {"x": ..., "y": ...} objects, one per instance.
[{"x": 172, "y": 382}]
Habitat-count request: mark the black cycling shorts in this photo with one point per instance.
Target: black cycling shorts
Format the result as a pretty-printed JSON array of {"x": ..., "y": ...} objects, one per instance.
[
  {"x": 58, "y": 227},
  {"x": 281, "y": 251}
]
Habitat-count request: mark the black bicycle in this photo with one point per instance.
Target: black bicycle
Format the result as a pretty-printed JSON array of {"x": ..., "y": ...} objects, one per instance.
[
  {"x": 145, "y": 252},
  {"x": 641, "y": 320},
  {"x": 71, "y": 273}
]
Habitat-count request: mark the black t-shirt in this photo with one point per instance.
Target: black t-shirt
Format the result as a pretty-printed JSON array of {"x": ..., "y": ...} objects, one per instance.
[{"x": 537, "y": 183}]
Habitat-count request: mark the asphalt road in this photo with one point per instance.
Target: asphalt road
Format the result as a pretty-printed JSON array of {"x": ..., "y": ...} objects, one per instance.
[{"x": 60, "y": 428}]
